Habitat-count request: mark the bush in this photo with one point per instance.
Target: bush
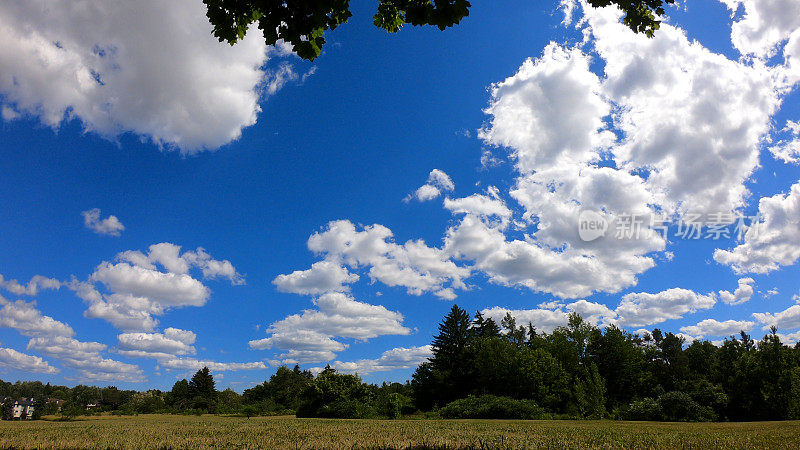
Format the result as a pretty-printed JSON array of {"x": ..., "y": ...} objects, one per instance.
[
  {"x": 345, "y": 409},
  {"x": 673, "y": 406},
  {"x": 336, "y": 395},
  {"x": 491, "y": 407},
  {"x": 644, "y": 409},
  {"x": 679, "y": 406},
  {"x": 393, "y": 405}
]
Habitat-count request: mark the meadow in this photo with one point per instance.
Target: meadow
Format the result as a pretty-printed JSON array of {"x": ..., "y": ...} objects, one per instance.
[{"x": 209, "y": 431}]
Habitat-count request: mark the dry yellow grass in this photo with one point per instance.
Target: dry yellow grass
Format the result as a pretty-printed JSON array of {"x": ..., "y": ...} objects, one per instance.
[{"x": 163, "y": 431}]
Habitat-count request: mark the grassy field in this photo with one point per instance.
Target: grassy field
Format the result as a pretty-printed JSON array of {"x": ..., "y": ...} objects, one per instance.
[{"x": 162, "y": 431}]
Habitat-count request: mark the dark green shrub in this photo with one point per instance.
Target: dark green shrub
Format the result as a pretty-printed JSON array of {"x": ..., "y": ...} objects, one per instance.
[
  {"x": 679, "y": 406},
  {"x": 346, "y": 409},
  {"x": 393, "y": 405},
  {"x": 333, "y": 394},
  {"x": 491, "y": 407},
  {"x": 644, "y": 409}
]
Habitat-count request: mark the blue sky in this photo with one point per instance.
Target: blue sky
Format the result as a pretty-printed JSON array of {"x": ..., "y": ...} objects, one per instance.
[{"x": 247, "y": 152}]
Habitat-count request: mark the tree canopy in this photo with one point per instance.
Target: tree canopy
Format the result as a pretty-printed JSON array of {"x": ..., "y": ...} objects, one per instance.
[
  {"x": 512, "y": 371},
  {"x": 302, "y": 23}
]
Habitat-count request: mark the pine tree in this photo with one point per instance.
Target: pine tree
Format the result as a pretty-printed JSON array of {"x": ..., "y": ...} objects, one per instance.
[
  {"x": 447, "y": 376},
  {"x": 202, "y": 389},
  {"x": 452, "y": 340},
  {"x": 484, "y": 328}
]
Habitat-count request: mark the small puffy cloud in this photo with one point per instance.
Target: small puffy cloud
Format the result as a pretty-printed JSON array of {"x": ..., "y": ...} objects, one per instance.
[
  {"x": 212, "y": 268},
  {"x": 552, "y": 315},
  {"x": 550, "y": 112},
  {"x": 764, "y": 25},
  {"x": 299, "y": 340},
  {"x": 302, "y": 346},
  {"x": 339, "y": 314},
  {"x": 167, "y": 255},
  {"x": 33, "y": 287},
  {"x": 438, "y": 182},
  {"x": 790, "y": 338},
  {"x": 26, "y": 363},
  {"x": 170, "y": 257},
  {"x": 171, "y": 342},
  {"x": 742, "y": 293},
  {"x": 174, "y": 85},
  {"x": 525, "y": 263},
  {"x": 642, "y": 308},
  {"x": 29, "y": 321},
  {"x": 137, "y": 289},
  {"x": 323, "y": 276},
  {"x": 66, "y": 348},
  {"x": 788, "y": 150},
  {"x": 594, "y": 313},
  {"x": 413, "y": 265},
  {"x": 394, "y": 359},
  {"x": 484, "y": 206},
  {"x": 191, "y": 364},
  {"x": 309, "y": 336},
  {"x": 175, "y": 289},
  {"x": 687, "y": 338},
  {"x": 294, "y": 356},
  {"x": 542, "y": 319},
  {"x": 86, "y": 359},
  {"x": 771, "y": 242},
  {"x": 8, "y": 114},
  {"x": 786, "y": 319},
  {"x": 110, "y": 226},
  {"x": 712, "y": 327},
  {"x": 126, "y": 312}
]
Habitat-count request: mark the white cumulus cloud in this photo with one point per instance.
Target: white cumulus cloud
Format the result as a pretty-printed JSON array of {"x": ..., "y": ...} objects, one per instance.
[
  {"x": 771, "y": 242},
  {"x": 322, "y": 277},
  {"x": 788, "y": 318},
  {"x": 137, "y": 288},
  {"x": 309, "y": 336},
  {"x": 13, "y": 359},
  {"x": 394, "y": 359},
  {"x": 110, "y": 226},
  {"x": 713, "y": 327},
  {"x": 642, "y": 308},
  {"x": 742, "y": 293},
  {"x": 438, "y": 183},
  {"x": 147, "y": 67}
]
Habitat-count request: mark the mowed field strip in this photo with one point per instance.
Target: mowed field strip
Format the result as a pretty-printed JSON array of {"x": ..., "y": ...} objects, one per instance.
[{"x": 168, "y": 431}]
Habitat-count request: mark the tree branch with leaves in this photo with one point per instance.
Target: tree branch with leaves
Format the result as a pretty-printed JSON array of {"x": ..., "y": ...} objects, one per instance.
[{"x": 303, "y": 23}]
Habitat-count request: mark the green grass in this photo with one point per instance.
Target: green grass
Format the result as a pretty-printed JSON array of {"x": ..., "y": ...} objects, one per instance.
[{"x": 163, "y": 431}]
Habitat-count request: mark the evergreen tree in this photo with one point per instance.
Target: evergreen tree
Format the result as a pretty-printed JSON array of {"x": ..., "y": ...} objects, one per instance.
[
  {"x": 446, "y": 378},
  {"x": 452, "y": 340},
  {"x": 179, "y": 396},
  {"x": 202, "y": 390},
  {"x": 484, "y": 328}
]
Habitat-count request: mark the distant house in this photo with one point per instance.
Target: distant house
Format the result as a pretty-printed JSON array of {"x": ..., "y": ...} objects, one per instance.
[{"x": 23, "y": 408}]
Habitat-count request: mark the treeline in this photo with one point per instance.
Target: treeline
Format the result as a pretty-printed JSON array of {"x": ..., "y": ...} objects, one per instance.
[
  {"x": 481, "y": 369},
  {"x": 582, "y": 371},
  {"x": 288, "y": 391},
  {"x": 197, "y": 395}
]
